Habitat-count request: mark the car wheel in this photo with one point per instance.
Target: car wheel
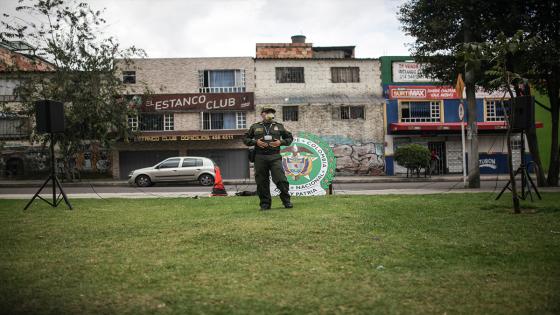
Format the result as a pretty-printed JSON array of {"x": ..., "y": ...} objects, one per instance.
[
  {"x": 206, "y": 179},
  {"x": 143, "y": 181}
]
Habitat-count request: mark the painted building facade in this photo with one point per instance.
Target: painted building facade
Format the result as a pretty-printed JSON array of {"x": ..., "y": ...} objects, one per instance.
[
  {"x": 188, "y": 106},
  {"x": 418, "y": 110},
  {"x": 328, "y": 92}
]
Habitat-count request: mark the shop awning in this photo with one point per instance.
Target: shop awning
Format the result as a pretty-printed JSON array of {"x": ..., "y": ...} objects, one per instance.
[{"x": 488, "y": 125}]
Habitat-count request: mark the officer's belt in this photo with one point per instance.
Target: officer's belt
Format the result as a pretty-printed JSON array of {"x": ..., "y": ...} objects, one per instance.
[{"x": 267, "y": 152}]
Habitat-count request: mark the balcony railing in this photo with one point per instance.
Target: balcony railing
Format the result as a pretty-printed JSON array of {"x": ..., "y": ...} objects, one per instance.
[{"x": 223, "y": 89}]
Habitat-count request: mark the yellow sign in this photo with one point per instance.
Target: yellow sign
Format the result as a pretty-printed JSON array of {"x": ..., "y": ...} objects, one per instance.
[{"x": 460, "y": 86}]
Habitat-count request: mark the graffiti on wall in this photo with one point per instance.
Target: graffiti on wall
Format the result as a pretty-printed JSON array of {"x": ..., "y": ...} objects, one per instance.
[{"x": 360, "y": 159}]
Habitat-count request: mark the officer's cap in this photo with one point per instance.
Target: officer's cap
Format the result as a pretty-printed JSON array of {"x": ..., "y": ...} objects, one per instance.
[{"x": 268, "y": 110}]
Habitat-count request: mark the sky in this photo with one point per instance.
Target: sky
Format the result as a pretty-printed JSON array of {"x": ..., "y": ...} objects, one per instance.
[{"x": 219, "y": 28}]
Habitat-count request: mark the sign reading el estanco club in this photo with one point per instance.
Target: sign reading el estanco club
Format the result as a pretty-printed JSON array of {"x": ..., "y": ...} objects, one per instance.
[
  {"x": 197, "y": 102},
  {"x": 309, "y": 164},
  {"x": 427, "y": 92}
]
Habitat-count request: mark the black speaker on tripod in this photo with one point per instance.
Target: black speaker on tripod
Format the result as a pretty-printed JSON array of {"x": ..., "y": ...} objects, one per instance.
[
  {"x": 49, "y": 118},
  {"x": 522, "y": 113}
]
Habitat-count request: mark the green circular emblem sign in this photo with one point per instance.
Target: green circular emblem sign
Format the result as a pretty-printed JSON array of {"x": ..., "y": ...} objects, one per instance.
[{"x": 309, "y": 164}]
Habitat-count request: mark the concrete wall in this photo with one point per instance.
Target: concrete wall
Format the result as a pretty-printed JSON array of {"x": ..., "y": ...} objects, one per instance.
[
  {"x": 317, "y": 78},
  {"x": 180, "y": 75}
]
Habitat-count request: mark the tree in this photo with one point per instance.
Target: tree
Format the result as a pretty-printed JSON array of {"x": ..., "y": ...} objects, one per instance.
[
  {"x": 414, "y": 157},
  {"x": 444, "y": 29},
  {"x": 67, "y": 34}
]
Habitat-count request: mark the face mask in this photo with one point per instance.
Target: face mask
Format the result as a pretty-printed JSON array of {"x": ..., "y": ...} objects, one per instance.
[{"x": 269, "y": 116}]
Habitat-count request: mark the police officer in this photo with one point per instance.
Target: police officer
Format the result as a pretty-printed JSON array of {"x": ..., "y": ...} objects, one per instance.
[{"x": 267, "y": 136}]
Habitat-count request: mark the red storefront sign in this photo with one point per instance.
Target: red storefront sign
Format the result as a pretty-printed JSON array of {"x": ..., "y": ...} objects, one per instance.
[
  {"x": 198, "y": 102},
  {"x": 422, "y": 92}
]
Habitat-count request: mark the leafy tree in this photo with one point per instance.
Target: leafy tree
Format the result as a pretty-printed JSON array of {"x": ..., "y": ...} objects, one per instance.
[
  {"x": 449, "y": 35},
  {"x": 68, "y": 34},
  {"x": 413, "y": 156}
]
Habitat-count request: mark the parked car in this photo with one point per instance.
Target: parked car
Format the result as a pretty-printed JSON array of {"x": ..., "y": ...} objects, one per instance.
[{"x": 175, "y": 169}]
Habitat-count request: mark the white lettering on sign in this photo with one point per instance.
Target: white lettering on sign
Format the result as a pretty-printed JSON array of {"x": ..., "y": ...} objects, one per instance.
[
  {"x": 177, "y": 102},
  {"x": 223, "y": 103},
  {"x": 488, "y": 162}
]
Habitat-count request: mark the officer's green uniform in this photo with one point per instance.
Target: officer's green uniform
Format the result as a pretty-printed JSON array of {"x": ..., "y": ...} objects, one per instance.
[{"x": 269, "y": 161}]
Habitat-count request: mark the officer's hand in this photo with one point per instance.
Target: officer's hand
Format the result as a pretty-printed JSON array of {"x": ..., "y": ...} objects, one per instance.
[
  {"x": 275, "y": 143},
  {"x": 261, "y": 144}
]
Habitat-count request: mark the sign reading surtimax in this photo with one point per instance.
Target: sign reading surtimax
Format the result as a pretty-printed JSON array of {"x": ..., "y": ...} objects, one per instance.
[{"x": 309, "y": 164}]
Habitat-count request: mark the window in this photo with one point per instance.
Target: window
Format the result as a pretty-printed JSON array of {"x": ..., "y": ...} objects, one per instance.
[
  {"x": 290, "y": 113},
  {"x": 224, "y": 120},
  {"x": 495, "y": 110},
  {"x": 289, "y": 75},
  {"x": 190, "y": 162},
  {"x": 7, "y": 90},
  {"x": 345, "y": 74},
  {"x": 171, "y": 163},
  {"x": 420, "y": 111},
  {"x": 154, "y": 122},
  {"x": 241, "y": 120},
  {"x": 129, "y": 77},
  {"x": 133, "y": 122},
  {"x": 221, "y": 81},
  {"x": 352, "y": 112},
  {"x": 13, "y": 126},
  {"x": 168, "y": 122}
]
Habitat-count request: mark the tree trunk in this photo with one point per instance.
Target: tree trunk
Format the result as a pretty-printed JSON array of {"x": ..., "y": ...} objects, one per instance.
[
  {"x": 472, "y": 129},
  {"x": 514, "y": 196},
  {"x": 536, "y": 156},
  {"x": 554, "y": 167}
]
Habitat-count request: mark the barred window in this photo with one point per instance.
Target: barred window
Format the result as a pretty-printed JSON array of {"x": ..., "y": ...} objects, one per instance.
[
  {"x": 212, "y": 121},
  {"x": 289, "y": 75},
  {"x": 290, "y": 113},
  {"x": 13, "y": 126},
  {"x": 129, "y": 77},
  {"x": 151, "y": 122},
  {"x": 345, "y": 74},
  {"x": 352, "y": 112},
  {"x": 221, "y": 81}
]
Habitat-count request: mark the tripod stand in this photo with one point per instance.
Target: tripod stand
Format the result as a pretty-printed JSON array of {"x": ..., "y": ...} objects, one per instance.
[
  {"x": 55, "y": 183},
  {"x": 526, "y": 180}
]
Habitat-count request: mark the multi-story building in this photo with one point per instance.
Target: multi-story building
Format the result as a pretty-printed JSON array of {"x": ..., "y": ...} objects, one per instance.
[
  {"x": 328, "y": 92},
  {"x": 18, "y": 155},
  {"x": 188, "y": 106},
  {"x": 418, "y": 110}
]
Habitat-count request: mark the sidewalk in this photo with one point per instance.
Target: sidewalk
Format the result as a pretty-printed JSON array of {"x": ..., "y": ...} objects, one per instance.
[{"x": 337, "y": 180}]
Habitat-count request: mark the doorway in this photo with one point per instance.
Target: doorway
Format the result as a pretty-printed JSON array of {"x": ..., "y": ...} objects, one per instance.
[{"x": 438, "y": 159}]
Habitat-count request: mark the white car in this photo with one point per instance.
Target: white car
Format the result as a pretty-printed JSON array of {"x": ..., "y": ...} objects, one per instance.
[{"x": 175, "y": 169}]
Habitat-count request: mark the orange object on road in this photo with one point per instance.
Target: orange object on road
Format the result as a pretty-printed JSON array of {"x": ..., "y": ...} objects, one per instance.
[{"x": 219, "y": 189}]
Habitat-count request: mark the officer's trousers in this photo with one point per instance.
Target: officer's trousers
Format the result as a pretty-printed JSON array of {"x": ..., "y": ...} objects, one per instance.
[{"x": 270, "y": 165}]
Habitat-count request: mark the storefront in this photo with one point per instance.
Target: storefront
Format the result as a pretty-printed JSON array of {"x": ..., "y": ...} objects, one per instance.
[{"x": 195, "y": 124}]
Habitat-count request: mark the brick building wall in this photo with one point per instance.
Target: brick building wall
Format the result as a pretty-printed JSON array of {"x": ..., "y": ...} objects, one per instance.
[{"x": 357, "y": 143}]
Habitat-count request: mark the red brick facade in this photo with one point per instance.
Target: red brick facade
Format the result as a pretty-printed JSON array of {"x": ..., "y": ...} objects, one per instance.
[{"x": 285, "y": 51}]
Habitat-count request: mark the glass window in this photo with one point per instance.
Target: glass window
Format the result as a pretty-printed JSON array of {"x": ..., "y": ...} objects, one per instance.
[
  {"x": 168, "y": 122},
  {"x": 290, "y": 113},
  {"x": 191, "y": 162},
  {"x": 222, "y": 81},
  {"x": 290, "y": 75},
  {"x": 352, "y": 112},
  {"x": 345, "y": 74},
  {"x": 241, "y": 120},
  {"x": 171, "y": 163},
  {"x": 129, "y": 77},
  {"x": 133, "y": 122},
  {"x": 420, "y": 111},
  {"x": 13, "y": 126},
  {"x": 495, "y": 110},
  {"x": 7, "y": 90}
]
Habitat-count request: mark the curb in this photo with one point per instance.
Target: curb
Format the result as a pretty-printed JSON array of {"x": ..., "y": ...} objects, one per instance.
[{"x": 344, "y": 180}]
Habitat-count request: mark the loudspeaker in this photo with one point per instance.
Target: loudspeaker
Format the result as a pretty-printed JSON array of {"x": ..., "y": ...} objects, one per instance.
[
  {"x": 523, "y": 111},
  {"x": 49, "y": 116}
]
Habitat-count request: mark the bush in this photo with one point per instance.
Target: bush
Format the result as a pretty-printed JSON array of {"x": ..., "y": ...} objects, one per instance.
[{"x": 413, "y": 157}]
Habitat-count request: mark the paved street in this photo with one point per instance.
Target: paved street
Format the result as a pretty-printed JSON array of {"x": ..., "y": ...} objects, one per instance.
[{"x": 186, "y": 190}]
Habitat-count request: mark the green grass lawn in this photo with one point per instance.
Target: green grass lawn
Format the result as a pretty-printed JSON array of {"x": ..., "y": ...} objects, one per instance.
[{"x": 433, "y": 254}]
